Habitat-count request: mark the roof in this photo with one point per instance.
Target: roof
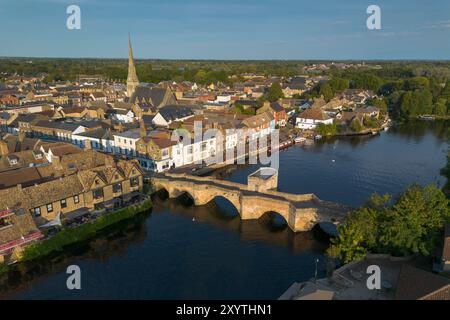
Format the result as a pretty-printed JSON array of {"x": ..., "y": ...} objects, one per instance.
[
  {"x": 417, "y": 284},
  {"x": 174, "y": 112},
  {"x": 99, "y": 133},
  {"x": 25, "y": 177},
  {"x": 314, "y": 113},
  {"x": 258, "y": 120},
  {"x": 163, "y": 143},
  {"x": 156, "y": 96},
  {"x": 130, "y": 134},
  {"x": 25, "y": 158},
  {"x": 275, "y": 106},
  {"x": 63, "y": 149},
  {"x": 22, "y": 227}
]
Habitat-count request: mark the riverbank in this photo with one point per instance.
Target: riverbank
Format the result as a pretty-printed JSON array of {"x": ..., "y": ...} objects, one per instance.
[{"x": 71, "y": 236}]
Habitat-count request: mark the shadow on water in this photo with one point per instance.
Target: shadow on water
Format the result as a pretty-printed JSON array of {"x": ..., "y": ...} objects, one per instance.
[{"x": 271, "y": 228}]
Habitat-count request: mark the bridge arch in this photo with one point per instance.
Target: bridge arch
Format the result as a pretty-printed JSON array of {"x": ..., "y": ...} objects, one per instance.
[
  {"x": 226, "y": 207},
  {"x": 274, "y": 220},
  {"x": 206, "y": 195}
]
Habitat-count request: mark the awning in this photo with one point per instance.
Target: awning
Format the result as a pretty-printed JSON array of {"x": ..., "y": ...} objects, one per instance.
[
  {"x": 112, "y": 202},
  {"x": 131, "y": 195},
  {"x": 76, "y": 214}
]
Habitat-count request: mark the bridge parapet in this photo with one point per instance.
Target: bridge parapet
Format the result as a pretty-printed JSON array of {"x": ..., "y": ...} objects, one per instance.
[{"x": 301, "y": 211}]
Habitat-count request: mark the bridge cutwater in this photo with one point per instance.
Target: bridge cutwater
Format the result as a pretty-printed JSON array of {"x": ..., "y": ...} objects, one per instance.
[{"x": 259, "y": 196}]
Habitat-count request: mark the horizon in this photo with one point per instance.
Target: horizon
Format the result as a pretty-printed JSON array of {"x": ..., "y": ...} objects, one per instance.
[{"x": 230, "y": 60}]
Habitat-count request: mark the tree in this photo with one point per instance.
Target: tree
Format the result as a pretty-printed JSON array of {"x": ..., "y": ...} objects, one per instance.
[
  {"x": 326, "y": 129},
  {"x": 200, "y": 76},
  {"x": 275, "y": 92},
  {"x": 371, "y": 122},
  {"x": 380, "y": 104},
  {"x": 356, "y": 125},
  {"x": 440, "y": 109},
  {"x": 413, "y": 224},
  {"x": 416, "y": 83},
  {"x": 339, "y": 84},
  {"x": 326, "y": 91}
]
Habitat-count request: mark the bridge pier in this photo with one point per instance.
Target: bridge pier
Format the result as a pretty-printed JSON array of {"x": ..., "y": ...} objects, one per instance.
[{"x": 301, "y": 212}]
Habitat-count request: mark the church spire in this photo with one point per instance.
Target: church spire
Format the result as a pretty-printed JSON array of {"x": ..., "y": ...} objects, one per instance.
[{"x": 132, "y": 80}]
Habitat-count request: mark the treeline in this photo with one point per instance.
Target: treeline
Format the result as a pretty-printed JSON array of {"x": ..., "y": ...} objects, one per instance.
[
  {"x": 408, "y": 91},
  {"x": 154, "y": 71}
]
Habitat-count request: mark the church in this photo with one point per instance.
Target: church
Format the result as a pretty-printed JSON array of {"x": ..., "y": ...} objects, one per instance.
[{"x": 150, "y": 95}]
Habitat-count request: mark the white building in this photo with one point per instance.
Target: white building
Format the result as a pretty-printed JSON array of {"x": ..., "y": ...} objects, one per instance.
[
  {"x": 193, "y": 151},
  {"x": 124, "y": 116},
  {"x": 166, "y": 115},
  {"x": 125, "y": 142},
  {"x": 310, "y": 118},
  {"x": 100, "y": 139}
]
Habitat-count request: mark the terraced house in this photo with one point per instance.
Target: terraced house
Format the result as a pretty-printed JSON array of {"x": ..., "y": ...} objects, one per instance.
[{"x": 80, "y": 184}]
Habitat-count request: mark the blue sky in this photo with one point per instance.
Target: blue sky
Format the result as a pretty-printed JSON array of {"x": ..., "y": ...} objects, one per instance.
[{"x": 227, "y": 29}]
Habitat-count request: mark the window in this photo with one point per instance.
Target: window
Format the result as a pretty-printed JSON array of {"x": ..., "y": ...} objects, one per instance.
[
  {"x": 36, "y": 212},
  {"x": 63, "y": 203},
  {"x": 189, "y": 150},
  {"x": 165, "y": 152},
  {"x": 117, "y": 187},
  {"x": 76, "y": 199},
  {"x": 50, "y": 208},
  {"x": 97, "y": 193},
  {"x": 134, "y": 182}
]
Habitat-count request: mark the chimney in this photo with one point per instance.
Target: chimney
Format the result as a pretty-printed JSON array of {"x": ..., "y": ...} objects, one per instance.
[
  {"x": 87, "y": 144},
  {"x": 21, "y": 135},
  {"x": 109, "y": 161},
  {"x": 3, "y": 148},
  {"x": 142, "y": 129},
  {"x": 56, "y": 162}
]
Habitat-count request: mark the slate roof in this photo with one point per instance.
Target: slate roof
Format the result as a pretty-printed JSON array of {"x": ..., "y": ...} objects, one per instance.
[
  {"x": 158, "y": 97},
  {"x": 174, "y": 112}
]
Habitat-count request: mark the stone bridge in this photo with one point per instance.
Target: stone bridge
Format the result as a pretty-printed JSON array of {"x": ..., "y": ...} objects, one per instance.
[{"x": 301, "y": 211}]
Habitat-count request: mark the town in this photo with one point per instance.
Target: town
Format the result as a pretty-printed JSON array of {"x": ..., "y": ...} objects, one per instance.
[{"x": 74, "y": 151}]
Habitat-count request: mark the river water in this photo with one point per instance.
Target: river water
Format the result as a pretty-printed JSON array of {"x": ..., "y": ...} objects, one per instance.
[{"x": 183, "y": 252}]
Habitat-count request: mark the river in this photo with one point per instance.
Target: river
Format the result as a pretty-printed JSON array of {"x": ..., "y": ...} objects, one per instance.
[{"x": 183, "y": 252}]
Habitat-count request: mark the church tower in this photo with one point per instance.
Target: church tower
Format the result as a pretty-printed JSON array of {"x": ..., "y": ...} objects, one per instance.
[{"x": 132, "y": 80}]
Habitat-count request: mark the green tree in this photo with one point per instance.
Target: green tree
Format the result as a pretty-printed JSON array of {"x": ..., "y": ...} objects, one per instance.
[
  {"x": 440, "y": 108},
  {"x": 339, "y": 84},
  {"x": 380, "y": 104},
  {"x": 326, "y": 129},
  {"x": 326, "y": 91},
  {"x": 414, "y": 224},
  {"x": 356, "y": 126},
  {"x": 275, "y": 92}
]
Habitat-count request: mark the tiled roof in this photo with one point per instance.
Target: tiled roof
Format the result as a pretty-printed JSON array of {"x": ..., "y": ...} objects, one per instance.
[
  {"x": 314, "y": 114},
  {"x": 414, "y": 284}
]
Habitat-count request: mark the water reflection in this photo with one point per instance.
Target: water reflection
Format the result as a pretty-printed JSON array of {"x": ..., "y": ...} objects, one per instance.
[
  {"x": 110, "y": 242},
  {"x": 269, "y": 228}
]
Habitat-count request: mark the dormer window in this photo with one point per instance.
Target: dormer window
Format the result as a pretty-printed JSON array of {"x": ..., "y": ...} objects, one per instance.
[
  {"x": 13, "y": 160},
  {"x": 37, "y": 155}
]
